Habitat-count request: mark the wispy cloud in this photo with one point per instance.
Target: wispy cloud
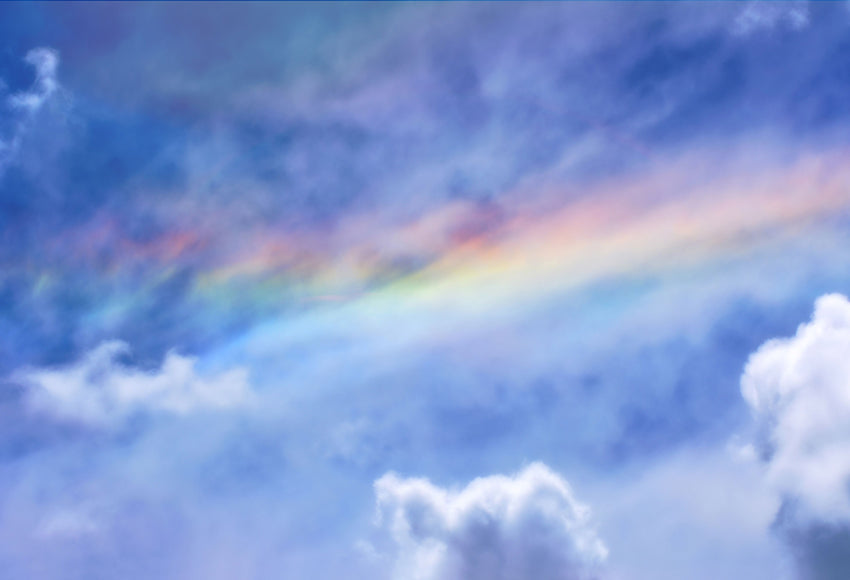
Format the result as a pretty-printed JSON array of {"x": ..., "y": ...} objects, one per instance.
[
  {"x": 440, "y": 239},
  {"x": 46, "y": 64},
  {"x": 765, "y": 16},
  {"x": 23, "y": 107},
  {"x": 102, "y": 391}
]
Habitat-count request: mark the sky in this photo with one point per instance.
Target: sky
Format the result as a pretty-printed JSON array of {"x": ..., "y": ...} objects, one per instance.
[{"x": 421, "y": 291}]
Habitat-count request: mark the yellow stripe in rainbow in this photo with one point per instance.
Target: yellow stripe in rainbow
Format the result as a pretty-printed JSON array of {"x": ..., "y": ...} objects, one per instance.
[
  {"x": 467, "y": 257},
  {"x": 671, "y": 221}
]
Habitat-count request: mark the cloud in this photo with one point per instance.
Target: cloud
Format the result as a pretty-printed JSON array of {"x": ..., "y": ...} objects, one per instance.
[
  {"x": 799, "y": 391},
  {"x": 497, "y": 528},
  {"x": 821, "y": 551},
  {"x": 46, "y": 64},
  {"x": 23, "y": 106},
  {"x": 758, "y": 16},
  {"x": 68, "y": 523},
  {"x": 100, "y": 390},
  {"x": 697, "y": 513}
]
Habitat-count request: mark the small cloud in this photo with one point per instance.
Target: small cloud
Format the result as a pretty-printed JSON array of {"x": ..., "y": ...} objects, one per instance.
[
  {"x": 68, "y": 523},
  {"x": 740, "y": 451},
  {"x": 764, "y": 16},
  {"x": 799, "y": 391},
  {"x": 355, "y": 443},
  {"x": 101, "y": 391},
  {"x": 509, "y": 528},
  {"x": 45, "y": 61},
  {"x": 23, "y": 107}
]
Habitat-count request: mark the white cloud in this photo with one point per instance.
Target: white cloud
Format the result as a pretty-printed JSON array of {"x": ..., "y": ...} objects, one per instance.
[
  {"x": 497, "y": 528},
  {"x": 45, "y": 61},
  {"x": 759, "y": 15},
  {"x": 799, "y": 391},
  {"x": 68, "y": 523},
  {"x": 100, "y": 390},
  {"x": 23, "y": 107}
]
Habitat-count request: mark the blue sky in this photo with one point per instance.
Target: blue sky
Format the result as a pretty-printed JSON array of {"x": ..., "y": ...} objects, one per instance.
[{"x": 410, "y": 291}]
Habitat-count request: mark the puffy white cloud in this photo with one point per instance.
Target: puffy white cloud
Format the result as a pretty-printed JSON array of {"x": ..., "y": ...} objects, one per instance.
[
  {"x": 799, "y": 391},
  {"x": 100, "y": 390},
  {"x": 497, "y": 528}
]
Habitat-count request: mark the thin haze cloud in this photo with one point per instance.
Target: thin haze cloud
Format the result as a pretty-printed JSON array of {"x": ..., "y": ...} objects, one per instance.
[{"x": 511, "y": 275}]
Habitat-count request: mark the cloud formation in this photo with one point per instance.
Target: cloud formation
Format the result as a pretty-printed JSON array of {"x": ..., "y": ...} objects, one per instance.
[
  {"x": 22, "y": 107},
  {"x": 799, "y": 390},
  {"x": 758, "y": 16},
  {"x": 497, "y": 528},
  {"x": 46, "y": 64},
  {"x": 443, "y": 239},
  {"x": 100, "y": 390}
]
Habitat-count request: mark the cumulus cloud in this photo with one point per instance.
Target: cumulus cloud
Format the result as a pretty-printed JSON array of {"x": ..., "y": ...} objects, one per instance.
[
  {"x": 497, "y": 528},
  {"x": 100, "y": 390},
  {"x": 799, "y": 391}
]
